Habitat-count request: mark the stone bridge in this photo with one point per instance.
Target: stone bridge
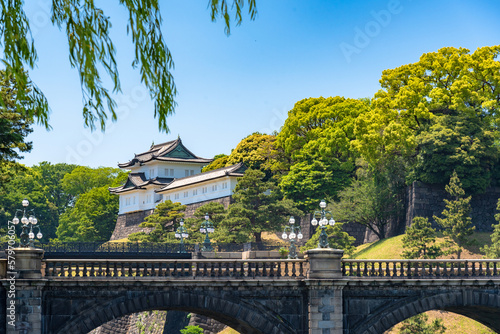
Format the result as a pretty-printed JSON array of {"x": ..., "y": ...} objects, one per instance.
[{"x": 321, "y": 294}]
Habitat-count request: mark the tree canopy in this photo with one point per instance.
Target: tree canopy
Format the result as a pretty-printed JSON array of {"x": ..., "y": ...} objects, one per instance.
[
  {"x": 92, "y": 53},
  {"x": 316, "y": 143},
  {"x": 15, "y": 125},
  {"x": 421, "y": 109},
  {"x": 258, "y": 207}
]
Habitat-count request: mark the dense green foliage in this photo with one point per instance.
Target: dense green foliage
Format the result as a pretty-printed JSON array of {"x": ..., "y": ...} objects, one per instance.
[
  {"x": 419, "y": 240},
  {"x": 192, "y": 330},
  {"x": 337, "y": 239},
  {"x": 216, "y": 213},
  {"x": 91, "y": 52},
  {"x": 456, "y": 221},
  {"x": 53, "y": 195},
  {"x": 420, "y": 112},
  {"x": 493, "y": 251},
  {"x": 92, "y": 218},
  {"x": 258, "y": 207},
  {"x": 256, "y": 151},
  {"x": 15, "y": 125},
  {"x": 316, "y": 148},
  {"x": 165, "y": 218},
  {"x": 418, "y": 325}
]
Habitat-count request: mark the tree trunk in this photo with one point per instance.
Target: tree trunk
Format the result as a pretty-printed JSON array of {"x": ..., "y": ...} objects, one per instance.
[{"x": 257, "y": 236}]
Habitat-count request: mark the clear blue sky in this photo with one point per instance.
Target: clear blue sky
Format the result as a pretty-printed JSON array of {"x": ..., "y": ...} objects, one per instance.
[{"x": 230, "y": 87}]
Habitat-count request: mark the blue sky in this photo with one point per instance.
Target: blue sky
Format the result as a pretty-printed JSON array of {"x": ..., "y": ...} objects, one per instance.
[{"x": 230, "y": 87}]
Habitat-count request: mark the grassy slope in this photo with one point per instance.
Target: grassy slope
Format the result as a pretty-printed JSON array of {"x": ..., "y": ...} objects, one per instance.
[{"x": 392, "y": 248}]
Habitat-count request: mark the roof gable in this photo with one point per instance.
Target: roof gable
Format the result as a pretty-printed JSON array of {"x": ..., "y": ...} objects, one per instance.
[
  {"x": 173, "y": 151},
  {"x": 179, "y": 151}
]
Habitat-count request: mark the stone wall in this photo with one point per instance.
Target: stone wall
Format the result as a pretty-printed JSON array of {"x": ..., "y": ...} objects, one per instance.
[
  {"x": 128, "y": 223},
  {"x": 150, "y": 322},
  {"x": 209, "y": 325},
  {"x": 191, "y": 208},
  {"x": 426, "y": 200}
]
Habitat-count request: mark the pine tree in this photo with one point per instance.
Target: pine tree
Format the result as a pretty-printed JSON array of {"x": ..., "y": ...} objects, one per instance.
[
  {"x": 456, "y": 221},
  {"x": 164, "y": 219},
  {"x": 493, "y": 251},
  {"x": 419, "y": 240}
]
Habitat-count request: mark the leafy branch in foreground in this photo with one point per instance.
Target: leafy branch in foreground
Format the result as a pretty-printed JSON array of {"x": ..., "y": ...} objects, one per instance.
[{"x": 90, "y": 49}]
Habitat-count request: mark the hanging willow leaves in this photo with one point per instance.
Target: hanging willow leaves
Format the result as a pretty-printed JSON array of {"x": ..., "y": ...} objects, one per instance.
[{"x": 92, "y": 51}]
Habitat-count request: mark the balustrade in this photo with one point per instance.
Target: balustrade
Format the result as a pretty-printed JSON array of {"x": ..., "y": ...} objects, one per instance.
[
  {"x": 421, "y": 268},
  {"x": 188, "y": 269}
]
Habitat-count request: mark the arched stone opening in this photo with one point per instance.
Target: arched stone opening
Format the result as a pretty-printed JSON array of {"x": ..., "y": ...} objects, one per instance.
[
  {"x": 241, "y": 316},
  {"x": 482, "y": 307}
]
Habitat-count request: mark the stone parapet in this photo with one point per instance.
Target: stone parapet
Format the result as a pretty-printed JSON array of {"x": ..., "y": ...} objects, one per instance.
[{"x": 324, "y": 263}]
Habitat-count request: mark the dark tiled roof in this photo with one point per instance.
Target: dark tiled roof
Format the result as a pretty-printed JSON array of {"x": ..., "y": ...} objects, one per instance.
[
  {"x": 234, "y": 170},
  {"x": 173, "y": 151},
  {"x": 139, "y": 181}
]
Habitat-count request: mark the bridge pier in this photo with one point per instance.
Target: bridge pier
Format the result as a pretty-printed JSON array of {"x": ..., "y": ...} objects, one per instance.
[
  {"x": 325, "y": 285},
  {"x": 24, "y": 285}
]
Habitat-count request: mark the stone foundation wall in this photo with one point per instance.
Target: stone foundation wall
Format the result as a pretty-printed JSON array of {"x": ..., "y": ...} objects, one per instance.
[
  {"x": 191, "y": 208},
  {"x": 209, "y": 325},
  {"x": 426, "y": 200},
  {"x": 128, "y": 223},
  {"x": 151, "y": 322}
]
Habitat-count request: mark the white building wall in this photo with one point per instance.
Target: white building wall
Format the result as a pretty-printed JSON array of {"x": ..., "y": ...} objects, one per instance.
[
  {"x": 201, "y": 192},
  {"x": 168, "y": 169},
  {"x": 138, "y": 200}
]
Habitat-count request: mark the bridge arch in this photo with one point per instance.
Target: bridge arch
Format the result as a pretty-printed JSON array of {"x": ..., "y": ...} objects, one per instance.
[
  {"x": 480, "y": 306},
  {"x": 240, "y": 315}
]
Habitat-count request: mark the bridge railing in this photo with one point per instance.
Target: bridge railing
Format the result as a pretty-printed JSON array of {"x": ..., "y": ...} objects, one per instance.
[
  {"x": 183, "y": 269},
  {"x": 421, "y": 268}
]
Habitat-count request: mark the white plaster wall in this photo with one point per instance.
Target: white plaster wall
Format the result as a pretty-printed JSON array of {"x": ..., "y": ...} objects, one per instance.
[
  {"x": 158, "y": 169},
  {"x": 139, "y": 200},
  {"x": 200, "y": 196}
]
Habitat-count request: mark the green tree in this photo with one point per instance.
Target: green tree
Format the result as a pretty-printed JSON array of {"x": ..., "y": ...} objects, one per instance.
[
  {"x": 256, "y": 151},
  {"x": 419, "y": 240},
  {"x": 456, "y": 143},
  {"x": 93, "y": 217},
  {"x": 317, "y": 155},
  {"x": 92, "y": 51},
  {"x": 15, "y": 125},
  {"x": 40, "y": 184},
  {"x": 82, "y": 179},
  {"x": 220, "y": 161},
  {"x": 163, "y": 221},
  {"x": 258, "y": 207},
  {"x": 419, "y": 325},
  {"x": 217, "y": 213},
  {"x": 452, "y": 84},
  {"x": 337, "y": 239},
  {"x": 493, "y": 251},
  {"x": 370, "y": 201},
  {"x": 192, "y": 330},
  {"x": 456, "y": 221}
]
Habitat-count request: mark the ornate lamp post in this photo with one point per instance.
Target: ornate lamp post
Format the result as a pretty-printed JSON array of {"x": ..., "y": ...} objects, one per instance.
[
  {"x": 28, "y": 221},
  {"x": 292, "y": 250},
  {"x": 323, "y": 223},
  {"x": 207, "y": 227},
  {"x": 181, "y": 233}
]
